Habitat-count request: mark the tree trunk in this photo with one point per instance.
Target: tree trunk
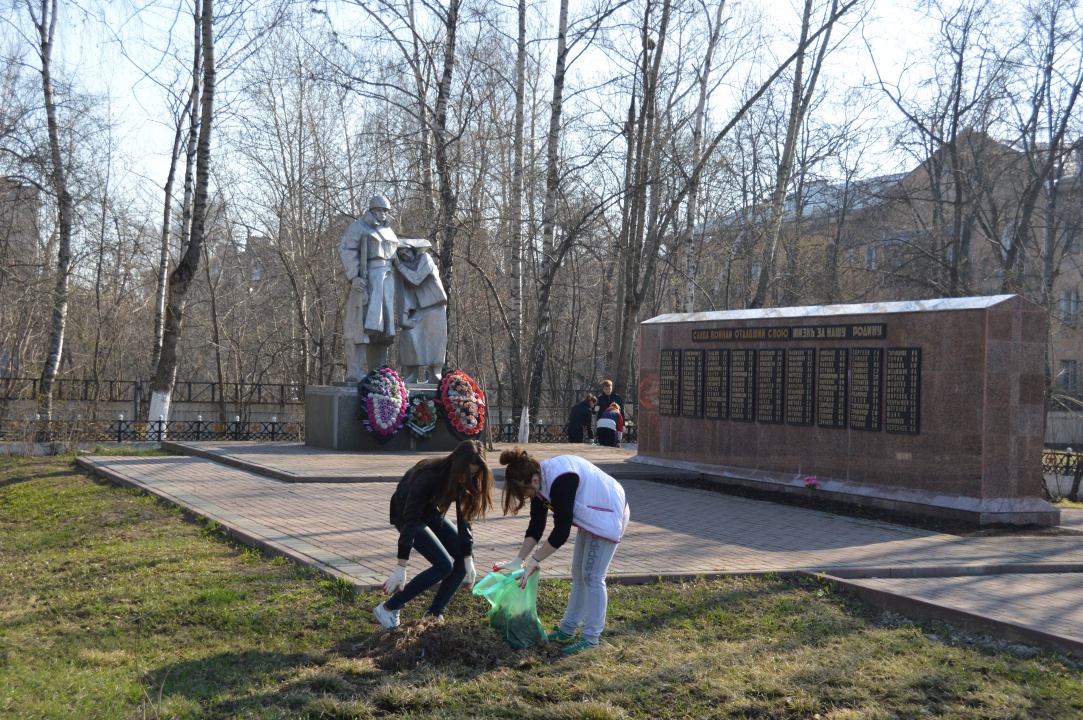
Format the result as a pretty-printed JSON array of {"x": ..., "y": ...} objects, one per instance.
[
  {"x": 167, "y": 220},
  {"x": 550, "y": 263},
  {"x": 448, "y": 197},
  {"x": 697, "y": 153},
  {"x": 45, "y": 23},
  {"x": 182, "y": 275},
  {"x": 800, "y": 99},
  {"x": 515, "y": 280}
]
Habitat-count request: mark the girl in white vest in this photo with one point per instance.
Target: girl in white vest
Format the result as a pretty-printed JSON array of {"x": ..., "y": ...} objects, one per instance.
[{"x": 579, "y": 494}]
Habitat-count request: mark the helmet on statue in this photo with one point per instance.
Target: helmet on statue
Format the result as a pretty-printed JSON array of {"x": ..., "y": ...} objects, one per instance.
[{"x": 379, "y": 202}]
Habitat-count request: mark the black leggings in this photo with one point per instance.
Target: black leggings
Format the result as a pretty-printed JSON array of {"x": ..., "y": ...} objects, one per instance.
[{"x": 607, "y": 437}]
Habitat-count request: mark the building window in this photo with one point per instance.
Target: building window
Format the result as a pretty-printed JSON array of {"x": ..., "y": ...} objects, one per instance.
[
  {"x": 1071, "y": 239},
  {"x": 870, "y": 256},
  {"x": 1066, "y": 376},
  {"x": 757, "y": 269},
  {"x": 1069, "y": 306}
]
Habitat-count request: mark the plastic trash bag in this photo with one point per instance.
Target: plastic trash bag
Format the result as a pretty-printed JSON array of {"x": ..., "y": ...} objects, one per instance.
[{"x": 514, "y": 611}]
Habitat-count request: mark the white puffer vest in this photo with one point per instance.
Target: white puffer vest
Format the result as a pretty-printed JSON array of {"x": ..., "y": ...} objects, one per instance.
[{"x": 599, "y": 501}]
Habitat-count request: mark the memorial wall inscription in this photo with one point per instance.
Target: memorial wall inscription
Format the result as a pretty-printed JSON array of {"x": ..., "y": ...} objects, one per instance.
[
  {"x": 769, "y": 384},
  {"x": 902, "y": 391},
  {"x": 800, "y": 384},
  {"x": 669, "y": 383},
  {"x": 716, "y": 383},
  {"x": 865, "y": 383},
  {"x": 861, "y": 388},
  {"x": 692, "y": 383},
  {"x": 743, "y": 385},
  {"x": 831, "y": 388}
]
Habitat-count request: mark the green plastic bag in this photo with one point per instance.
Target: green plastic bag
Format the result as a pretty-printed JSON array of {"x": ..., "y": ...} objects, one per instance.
[{"x": 514, "y": 611}]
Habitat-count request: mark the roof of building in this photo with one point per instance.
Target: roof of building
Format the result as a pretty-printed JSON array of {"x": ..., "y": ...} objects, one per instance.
[{"x": 874, "y": 308}]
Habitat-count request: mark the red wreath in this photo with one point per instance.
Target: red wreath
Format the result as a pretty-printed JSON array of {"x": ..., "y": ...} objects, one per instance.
[{"x": 464, "y": 401}]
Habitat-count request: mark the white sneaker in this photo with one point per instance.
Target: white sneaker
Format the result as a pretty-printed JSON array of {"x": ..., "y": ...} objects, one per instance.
[{"x": 387, "y": 618}]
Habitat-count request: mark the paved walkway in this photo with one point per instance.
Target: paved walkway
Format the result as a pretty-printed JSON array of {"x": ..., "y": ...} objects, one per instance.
[{"x": 1023, "y": 587}]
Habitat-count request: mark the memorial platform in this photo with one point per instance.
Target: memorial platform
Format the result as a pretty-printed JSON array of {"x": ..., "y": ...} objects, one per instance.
[
  {"x": 296, "y": 462},
  {"x": 1021, "y": 587}
]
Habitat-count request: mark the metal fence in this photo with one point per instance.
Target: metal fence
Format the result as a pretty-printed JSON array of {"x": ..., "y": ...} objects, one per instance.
[
  {"x": 156, "y": 431},
  {"x": 24, "y": 388},
  {"x": 550, "y": 433}
]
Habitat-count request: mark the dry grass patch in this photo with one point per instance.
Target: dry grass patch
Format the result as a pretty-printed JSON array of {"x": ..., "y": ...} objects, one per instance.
[{"x": 112, "y": 600}]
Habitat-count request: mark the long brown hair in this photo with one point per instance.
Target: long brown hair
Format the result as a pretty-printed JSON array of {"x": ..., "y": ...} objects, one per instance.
[
  {"x": 518, "y": 478},
  {"x": 472, "y": 491}
]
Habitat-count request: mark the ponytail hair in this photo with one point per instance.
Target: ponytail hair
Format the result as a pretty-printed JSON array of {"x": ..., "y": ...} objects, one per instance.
[{"x": 518, "y": 478}]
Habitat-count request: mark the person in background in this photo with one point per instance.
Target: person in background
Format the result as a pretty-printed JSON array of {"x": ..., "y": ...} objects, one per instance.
[
  {"x": 579, "y": 494},
  {"x": 579, "y": 420},
  {"x": 419, "y": 511},
  {"x": 610, "y": 426},
  {"x": 608, "y": 397}
]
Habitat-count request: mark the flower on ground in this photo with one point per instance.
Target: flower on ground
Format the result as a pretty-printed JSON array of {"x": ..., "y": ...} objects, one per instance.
[{"x": 812, "y": 482}]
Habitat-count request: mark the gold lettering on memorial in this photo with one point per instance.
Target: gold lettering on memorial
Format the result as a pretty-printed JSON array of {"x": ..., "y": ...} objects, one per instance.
[
  {"x": 865, "y": 388},
  {"x": 692, "y": 383},
  {"x": 742, "y": 385},
  {"x": 831, "y": 388},
  {"x": 902, "y": 391},
  {"x": 800, "y": 374},
  {"x": 716, "y": 384},
  {"x": 769, "y": 386},
  {"x": 669, "y": 382}
]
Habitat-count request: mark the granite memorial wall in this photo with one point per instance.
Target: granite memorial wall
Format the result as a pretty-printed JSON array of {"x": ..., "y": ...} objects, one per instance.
[{"x": 931, "y": 407}]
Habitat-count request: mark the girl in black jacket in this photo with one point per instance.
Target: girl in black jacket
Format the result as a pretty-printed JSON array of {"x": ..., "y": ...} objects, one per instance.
[{"x": 419, "y": 511}]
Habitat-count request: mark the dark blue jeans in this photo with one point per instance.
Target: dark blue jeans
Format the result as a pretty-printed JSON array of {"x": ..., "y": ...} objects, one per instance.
[{"x": 438, "y": 542}]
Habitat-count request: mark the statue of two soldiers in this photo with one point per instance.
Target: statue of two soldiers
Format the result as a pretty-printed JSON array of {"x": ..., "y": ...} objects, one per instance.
[{"x": 395, "y": 289}]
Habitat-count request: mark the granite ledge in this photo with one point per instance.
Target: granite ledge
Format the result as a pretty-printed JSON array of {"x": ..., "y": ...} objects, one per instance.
[{"x": 980, "y": 511}]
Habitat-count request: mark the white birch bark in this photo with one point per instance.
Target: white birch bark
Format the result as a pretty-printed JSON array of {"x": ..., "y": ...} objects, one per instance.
[
  {"x": 45, "y": 19},
  {"x": 181, "y": 278},
  {"x": 697, "y": 153}
]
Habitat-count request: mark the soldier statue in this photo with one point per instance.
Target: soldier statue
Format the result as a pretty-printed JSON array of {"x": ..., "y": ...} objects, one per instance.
[
  {"x": 367, "y": 249},
  {"x": 422, "y": 305}
]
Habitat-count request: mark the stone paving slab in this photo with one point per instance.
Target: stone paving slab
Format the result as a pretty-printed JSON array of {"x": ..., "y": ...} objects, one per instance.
[
  {"x": 299, "y": 463},
  {"x": 343, "y": 529},
  {"x": 1040, "y": 609}
]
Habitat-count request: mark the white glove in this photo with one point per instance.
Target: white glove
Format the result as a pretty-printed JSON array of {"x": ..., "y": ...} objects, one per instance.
[
  {"x": 471, "y": 573},
  {"x": 396, "y": 581},
  {"x": 509, "y": 566},
  {"x": 529, "y": 568}
]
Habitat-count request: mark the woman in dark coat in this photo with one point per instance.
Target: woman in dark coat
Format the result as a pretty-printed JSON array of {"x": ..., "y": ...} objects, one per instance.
[
  {"x": 579, "y": 420},
  {"x": 419, "y": 510}
]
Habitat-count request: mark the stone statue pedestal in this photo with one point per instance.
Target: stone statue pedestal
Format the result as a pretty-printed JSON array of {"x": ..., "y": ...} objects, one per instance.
[{"x": 331, "y": 422}]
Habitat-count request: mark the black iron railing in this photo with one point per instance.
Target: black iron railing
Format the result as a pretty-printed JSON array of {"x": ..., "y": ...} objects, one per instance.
[
  {"x": 549, "y": 433},
  {"x": 23, "y": 388},
  {"x": 156, "y": 431}
]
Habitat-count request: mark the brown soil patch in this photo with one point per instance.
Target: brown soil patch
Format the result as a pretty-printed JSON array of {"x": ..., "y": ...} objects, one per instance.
[{"x": 438, "y": 644}]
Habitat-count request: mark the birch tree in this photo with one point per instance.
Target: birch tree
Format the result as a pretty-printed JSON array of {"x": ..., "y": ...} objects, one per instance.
[
  {"x": 181, "y": 277},
  {"x": 44, "y": 16},
  {"x": 801, "y": 97}
]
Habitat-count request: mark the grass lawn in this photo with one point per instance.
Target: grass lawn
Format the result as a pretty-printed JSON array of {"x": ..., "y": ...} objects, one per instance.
[{"x": 113, "y": 605}]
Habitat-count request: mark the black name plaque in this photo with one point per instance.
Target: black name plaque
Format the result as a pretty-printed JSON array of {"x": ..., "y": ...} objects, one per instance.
[
  {"x": 692, "y": 383},
  {"x": 800, "y": 384},
  {"x": 866, "y": 365},
  {"x": 902, "y": 391},
  {"x": 742, "y": 385},
  {"x": 716, "y": 383},
  {"x": 831, "y": 388},
  {"x": 669, "y": 383},
  {"x": 770, "y": 376}
]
